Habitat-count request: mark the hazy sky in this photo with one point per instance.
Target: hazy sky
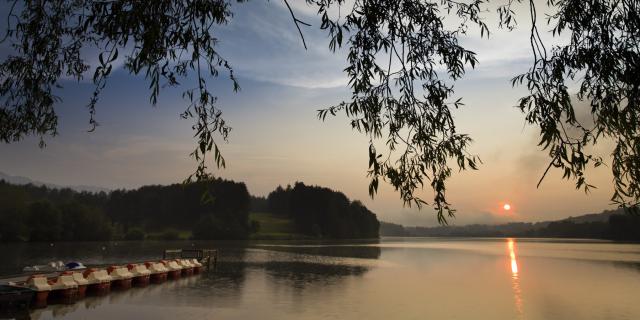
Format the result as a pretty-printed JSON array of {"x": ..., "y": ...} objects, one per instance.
[{"x": 277, "y": 139}]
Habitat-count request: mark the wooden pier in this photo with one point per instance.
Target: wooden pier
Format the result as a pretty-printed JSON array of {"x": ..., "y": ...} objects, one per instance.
[{"x": 207, "y": 257}]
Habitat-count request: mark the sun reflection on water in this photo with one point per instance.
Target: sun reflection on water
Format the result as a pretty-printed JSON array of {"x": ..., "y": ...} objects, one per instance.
[
  {"x": 515, "y": 280},
  {"x": 512, "y": 254}
]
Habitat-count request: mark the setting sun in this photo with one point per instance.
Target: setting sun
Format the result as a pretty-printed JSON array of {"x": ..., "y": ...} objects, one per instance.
[{"x": 506, "y": 207}]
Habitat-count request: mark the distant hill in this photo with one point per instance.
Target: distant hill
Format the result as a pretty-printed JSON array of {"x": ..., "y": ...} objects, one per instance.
[
  {"x": 609, "y": 224},
  {"x": 19, "y": 180},
  {"x": 595, "y": 217}
]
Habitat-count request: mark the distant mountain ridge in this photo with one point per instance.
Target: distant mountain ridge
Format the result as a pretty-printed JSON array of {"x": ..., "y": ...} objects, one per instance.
[
  {"x": 594, "y": 217},
  {"x": 20, "y": 180},
  {"x": 593, "y": 224}
]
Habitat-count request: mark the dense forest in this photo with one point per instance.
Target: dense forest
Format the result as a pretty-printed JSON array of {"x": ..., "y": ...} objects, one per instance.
[
  {"x": 612, "y": 225},
  {"x": 216, "y": 209},
  {"x": 322, "y": 212}
]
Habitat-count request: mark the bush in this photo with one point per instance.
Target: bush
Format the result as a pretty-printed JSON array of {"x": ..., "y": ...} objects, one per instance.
[
  {"x": 134, "y": 234},
  {"x": 210, "y": 227},
  {"x": 169, "y": 234},
  {"x": 205, "y": 229},
  {"x": 254, "y": 226},
  {"x": 44, "y": 221},
  {"x": 83, "y": 223}
]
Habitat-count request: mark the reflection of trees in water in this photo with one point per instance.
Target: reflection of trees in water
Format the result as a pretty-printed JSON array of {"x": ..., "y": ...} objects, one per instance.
[
  {"x": 287, "y": 268},
  {"x": 347, "y": 251},
  {"x": 627, "y": 265},
  {"x": 300, "y": 274},
  {"x": 18, "y": 314},
  {"x": 297, "y": 267},
  {"x": 231, "y": 266},
  {"x": 301, "y": 264},
  {"x": 222, "y": 286}
]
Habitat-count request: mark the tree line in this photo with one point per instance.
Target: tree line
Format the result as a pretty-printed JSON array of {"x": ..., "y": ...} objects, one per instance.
[
  {"x": 323, "y": 212},
  {"x": 206, "y": 210},
  {"x": 215, "y": 209}
]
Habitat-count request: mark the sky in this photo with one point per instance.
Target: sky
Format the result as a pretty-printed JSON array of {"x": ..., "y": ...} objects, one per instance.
[{"x": 278, "y": 140}]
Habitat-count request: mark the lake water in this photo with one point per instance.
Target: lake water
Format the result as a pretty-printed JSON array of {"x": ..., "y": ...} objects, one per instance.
[{"x": 394, "y": 278}]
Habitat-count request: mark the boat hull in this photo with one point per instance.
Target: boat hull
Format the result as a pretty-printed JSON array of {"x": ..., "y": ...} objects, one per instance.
[
  {"x": 82, "y": 291},
  {"x": 122, "y": 284},
  {"x": 141, "y": 281},
  {"x": 159, "y": 277},
  {"x": 40, "y": 299},
  {"x": 64, "y": 296},
  {"x": 175, "y": 274},
  {"x": 187, "y": 271},
  {"x": 100, "y": 288}
]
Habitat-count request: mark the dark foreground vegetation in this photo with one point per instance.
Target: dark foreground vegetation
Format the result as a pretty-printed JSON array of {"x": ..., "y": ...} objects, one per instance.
[
  {"x": 216, "y": 209},
  {"x": 611, "y": 225}
]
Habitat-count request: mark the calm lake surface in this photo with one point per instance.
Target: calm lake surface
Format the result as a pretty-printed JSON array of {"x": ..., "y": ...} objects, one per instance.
[{"x": 394, "y": 278}]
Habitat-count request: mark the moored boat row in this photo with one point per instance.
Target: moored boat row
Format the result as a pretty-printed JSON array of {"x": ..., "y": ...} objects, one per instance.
[{"x": 68, "y": 286}]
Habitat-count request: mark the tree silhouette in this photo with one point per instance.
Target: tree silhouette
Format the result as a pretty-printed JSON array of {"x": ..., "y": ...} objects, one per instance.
[
  {"x": 402, "y": 63},
  {"x": 322, "y": 212},
  {"x": 603, "y": 57}
]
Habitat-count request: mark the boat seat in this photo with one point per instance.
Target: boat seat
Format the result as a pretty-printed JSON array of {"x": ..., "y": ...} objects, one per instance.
[
  {"x": 156, "y": 267},
  {"x": 38, "y": 283},
  {"x": 79, "y": 279},
  {"x": 196, "y": 263},
  {"x": 184, "y": 263},
  {"x": 173, "y": 265},
  {"x": 139, "y": 270},
  {"x": 120, "y": 273},
  {"x": 97, "y": 276},
  {"x": 64, "y": 281}
]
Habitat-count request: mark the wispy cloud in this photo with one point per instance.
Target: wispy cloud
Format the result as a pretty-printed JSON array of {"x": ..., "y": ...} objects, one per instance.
[{"x": 263, "y": 44}]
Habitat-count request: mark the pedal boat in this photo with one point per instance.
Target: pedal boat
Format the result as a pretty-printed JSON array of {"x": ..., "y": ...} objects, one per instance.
[
  {"x": 99, "y": 281},
  {"x": 42, "y": 288},
  {"x": 141, "y": 275},
  {"x": 63, "y": 287},
  {"x": 121, "y": 278},
  {"x": 174, "y": 268},
  {"x": 197, "y": 266},
  {"x": 158, "y": 271},
  {"x": 187, "y": 267}
]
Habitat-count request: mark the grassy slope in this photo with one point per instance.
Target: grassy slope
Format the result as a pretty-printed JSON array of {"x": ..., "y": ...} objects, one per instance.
[
  {"x": 158, "y": 235},
  {"x": 274, "y": 227}
]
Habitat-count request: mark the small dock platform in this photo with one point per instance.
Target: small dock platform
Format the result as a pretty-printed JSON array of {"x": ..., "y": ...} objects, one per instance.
[{"x": 208, "y": 257}]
